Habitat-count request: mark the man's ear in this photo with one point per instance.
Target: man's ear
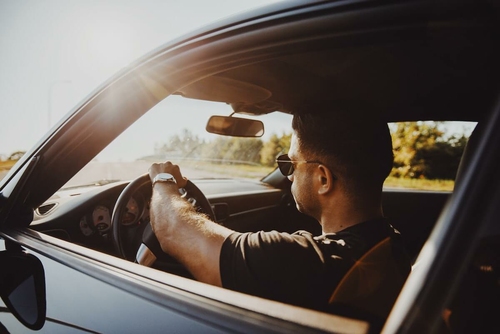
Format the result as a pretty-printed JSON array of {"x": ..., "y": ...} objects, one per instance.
[{"x": 326, "y": 180}]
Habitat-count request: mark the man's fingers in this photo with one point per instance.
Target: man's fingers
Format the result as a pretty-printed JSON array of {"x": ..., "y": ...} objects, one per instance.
[
  {"x": 176, "y": 173},
  {"x": 154, "y": 169},
  {"x": 168, "y": 167}
]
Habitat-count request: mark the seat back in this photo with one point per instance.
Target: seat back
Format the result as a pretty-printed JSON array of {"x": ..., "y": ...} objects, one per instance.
[{"x": 372, "y": 285}]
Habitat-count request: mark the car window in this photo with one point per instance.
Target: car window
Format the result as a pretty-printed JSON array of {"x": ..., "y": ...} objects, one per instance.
[
  {"x": 427, "y": 154},
  {"x": 174, "y": 130}
]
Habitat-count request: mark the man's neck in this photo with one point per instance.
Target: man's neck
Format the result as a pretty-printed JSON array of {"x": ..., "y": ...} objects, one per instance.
[{"x": 343, "y": 217}]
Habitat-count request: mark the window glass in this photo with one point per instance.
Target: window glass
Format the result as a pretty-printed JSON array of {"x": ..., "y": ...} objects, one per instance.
[
  {"x": 427, "y": 154},
  {"x": 174, "y": 130}
]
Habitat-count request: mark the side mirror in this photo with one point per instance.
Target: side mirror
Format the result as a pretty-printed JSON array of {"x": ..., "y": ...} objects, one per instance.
[
  {"x": 234, "y": 126},
  {"x": 22, "y": 287}
]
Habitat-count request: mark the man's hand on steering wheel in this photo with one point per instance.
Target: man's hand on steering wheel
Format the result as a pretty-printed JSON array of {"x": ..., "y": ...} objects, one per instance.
[
  {"x": 169, "y": 168},
  {"x": 150, "y": 250},
  {"x": 194, "y": 239},
  {"x": 184, "y": 229}
]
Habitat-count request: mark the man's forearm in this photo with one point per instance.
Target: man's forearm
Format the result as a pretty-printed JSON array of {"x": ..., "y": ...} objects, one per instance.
[{"x": 190, "y": 237}]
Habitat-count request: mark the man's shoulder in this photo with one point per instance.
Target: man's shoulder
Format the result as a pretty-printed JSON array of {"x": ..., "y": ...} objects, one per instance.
[
  {"x": 357, "y": 239},
  {"x": 378, "y": 228}
]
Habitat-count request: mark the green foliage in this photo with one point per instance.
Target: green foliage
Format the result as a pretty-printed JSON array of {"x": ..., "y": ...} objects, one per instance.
[
  {"x": 234, "y": 149},
  {"x": 422, "y": 151},
  {"x": 274, "y": 146},
  {"x": 421, "y": 184},
  {"x": 186, "y": 145}
]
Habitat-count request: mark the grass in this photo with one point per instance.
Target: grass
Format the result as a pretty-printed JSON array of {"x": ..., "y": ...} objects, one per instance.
[
  {"x": 230, "y": 170},
  {"x": 7, "y": 164},
  {"x": 421, "y": 184},
  {"x": 258, "y": 172}
]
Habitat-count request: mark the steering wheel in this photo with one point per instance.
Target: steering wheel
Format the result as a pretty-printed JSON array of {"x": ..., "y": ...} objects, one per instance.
[{"x": 149, "y": 250}]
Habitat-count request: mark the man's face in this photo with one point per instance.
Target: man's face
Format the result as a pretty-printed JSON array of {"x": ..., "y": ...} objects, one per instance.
[{"x": 302, "y": 186}]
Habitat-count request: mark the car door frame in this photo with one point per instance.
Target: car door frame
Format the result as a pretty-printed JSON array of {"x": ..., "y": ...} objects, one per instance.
[{"x": 470, "y": 214}]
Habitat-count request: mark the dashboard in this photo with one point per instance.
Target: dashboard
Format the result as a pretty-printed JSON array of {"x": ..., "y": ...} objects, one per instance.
[
  {"x": 99, "y": 221},
  {"x": 84, "y": 215}
]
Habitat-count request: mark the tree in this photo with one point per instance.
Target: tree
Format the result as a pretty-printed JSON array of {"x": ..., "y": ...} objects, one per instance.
[
  {"x": 186, "y": 144},
  {"x": 421, "y": 150},
  {"x": 16, "y": 155},
  {"x": 274, "y": 146},
  {"x": 442, "y": 159},
  {"x": 234, "y": 149}
]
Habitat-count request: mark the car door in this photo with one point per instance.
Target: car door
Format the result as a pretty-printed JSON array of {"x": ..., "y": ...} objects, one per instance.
[
  {"x": 88, "y": 291},
  {"x": 81, "y": 303}
]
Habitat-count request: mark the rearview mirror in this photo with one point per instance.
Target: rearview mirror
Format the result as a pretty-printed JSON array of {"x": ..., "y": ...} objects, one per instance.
[
  {"x": 234, "y": 126},
  {"x": 22, "y": 287}
]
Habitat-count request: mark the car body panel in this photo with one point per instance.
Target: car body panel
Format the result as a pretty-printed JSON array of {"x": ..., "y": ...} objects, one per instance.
[{"x": 108, "y": 282}]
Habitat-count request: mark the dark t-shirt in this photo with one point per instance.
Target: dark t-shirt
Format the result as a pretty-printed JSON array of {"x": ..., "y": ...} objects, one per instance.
[{"x": 299, "y": 268}]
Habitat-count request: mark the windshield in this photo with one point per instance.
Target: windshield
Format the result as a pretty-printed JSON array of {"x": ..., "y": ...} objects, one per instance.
[{"x": 174, "y": 130}]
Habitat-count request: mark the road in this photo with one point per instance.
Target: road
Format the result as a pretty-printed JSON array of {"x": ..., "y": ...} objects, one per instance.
[{"x": 96, "y": 171}]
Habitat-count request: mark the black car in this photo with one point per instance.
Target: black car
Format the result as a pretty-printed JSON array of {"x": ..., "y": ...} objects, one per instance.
[{"x": 74, "y": 208}]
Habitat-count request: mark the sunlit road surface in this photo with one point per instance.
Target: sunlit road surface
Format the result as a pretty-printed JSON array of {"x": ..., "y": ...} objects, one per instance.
[
  {"x": 98, "y": 171},
  {"x": 127, "y": 171}
]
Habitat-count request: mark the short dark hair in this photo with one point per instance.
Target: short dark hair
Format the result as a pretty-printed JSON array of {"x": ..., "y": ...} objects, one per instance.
[{"x": 356, "y": 148}]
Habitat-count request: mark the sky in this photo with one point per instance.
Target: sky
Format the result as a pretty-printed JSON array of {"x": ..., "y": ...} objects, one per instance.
[{"x": 53, "y": 53}]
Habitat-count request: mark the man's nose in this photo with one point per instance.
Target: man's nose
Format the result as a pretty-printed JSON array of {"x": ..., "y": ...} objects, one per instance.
[{"x": 290, "y": 177}]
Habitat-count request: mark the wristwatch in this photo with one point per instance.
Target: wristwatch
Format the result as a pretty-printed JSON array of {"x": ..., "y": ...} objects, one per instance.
[{"x": 163, "y": 177}]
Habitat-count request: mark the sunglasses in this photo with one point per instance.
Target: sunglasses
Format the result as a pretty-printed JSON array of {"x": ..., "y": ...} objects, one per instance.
[{"x": 286, "y": 165}]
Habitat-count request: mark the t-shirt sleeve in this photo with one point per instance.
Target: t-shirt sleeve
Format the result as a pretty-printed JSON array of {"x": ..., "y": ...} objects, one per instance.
[{"x": 280, "y": 266}]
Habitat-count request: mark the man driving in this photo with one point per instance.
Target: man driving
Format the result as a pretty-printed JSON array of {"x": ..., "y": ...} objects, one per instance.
[{"x": 337, "y": 165}]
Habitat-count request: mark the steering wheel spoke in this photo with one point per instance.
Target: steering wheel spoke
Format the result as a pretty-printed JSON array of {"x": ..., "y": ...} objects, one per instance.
[{"x": 145, "y": 256}]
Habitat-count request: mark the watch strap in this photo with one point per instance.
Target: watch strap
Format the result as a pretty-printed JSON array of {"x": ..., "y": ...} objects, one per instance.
[{"x": 163, "y": 177}]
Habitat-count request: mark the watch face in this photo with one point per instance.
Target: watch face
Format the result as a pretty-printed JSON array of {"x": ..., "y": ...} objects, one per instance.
[{"x": 164, "y": 177}]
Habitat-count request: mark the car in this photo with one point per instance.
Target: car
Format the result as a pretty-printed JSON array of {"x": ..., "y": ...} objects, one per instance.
[{"x": 74, "y": 208}]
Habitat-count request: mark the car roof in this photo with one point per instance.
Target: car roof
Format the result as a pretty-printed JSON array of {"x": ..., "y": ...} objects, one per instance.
[{"x": 439, "y": 64}]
